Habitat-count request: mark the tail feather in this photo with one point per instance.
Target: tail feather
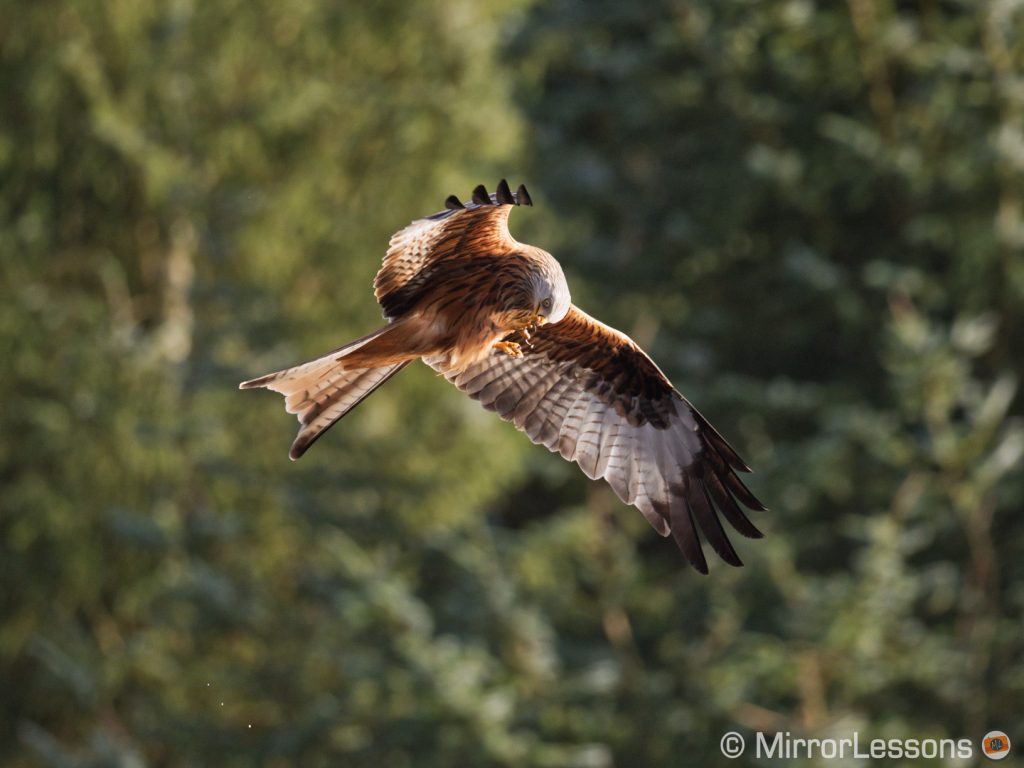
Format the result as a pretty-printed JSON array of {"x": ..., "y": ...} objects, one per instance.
[
  {"x": 322, "y": 391},
  {"x": 341, "y": 391},
  {"x": 312, "y": 367}
]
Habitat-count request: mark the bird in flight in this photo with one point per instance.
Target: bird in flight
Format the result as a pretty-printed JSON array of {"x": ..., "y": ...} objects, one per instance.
[{"x": 494, "y": 316}]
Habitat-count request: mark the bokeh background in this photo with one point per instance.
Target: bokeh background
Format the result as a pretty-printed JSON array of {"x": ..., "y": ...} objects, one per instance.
[{"x": 812, "y": 215}]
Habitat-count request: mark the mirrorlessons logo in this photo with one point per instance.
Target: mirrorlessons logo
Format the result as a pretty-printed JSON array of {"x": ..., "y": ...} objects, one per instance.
[
  {"x": 995, "y": 745},
  {"x": 785, "y": 746}
]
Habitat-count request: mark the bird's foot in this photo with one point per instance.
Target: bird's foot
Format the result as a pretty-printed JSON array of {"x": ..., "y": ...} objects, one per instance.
[
  {"x": 510, "y": 348},
  {"x": 529, "y": 325}
]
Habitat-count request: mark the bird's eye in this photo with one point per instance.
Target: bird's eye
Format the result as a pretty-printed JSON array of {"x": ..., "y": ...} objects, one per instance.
[{"x": 546, "y": 303}]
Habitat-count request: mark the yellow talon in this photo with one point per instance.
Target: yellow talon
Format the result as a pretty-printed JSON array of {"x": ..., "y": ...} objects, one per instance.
[{"x": 510, "y": 348}]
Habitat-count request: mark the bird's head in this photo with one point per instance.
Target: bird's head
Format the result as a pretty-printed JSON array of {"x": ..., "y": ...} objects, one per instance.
[{"x": 551, "y": 299}]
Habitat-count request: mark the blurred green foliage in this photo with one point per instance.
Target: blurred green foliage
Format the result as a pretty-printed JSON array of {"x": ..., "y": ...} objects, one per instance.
[{"x": 811, "y": 214}]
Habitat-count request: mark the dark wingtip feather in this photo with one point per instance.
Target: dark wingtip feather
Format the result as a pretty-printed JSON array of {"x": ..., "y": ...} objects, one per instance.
[
  {"x": 480, "y": 196},
  {"x": 453, "y": 203},
  {"x": 522, "y": 196},
  {"x": 741, "y": 492},
  {"x": 703, "y": 512},
  {"x": 719, "y": 443},
  {"x": 504, "y": 194},
  {"x": 697, "y": 560},
  {"x": 684, "y": 532},
  {"x": 728, "y": 507}
]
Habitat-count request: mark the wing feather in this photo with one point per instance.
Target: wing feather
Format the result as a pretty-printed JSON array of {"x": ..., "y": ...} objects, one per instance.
[
  {"x": 588, "y": 392},
  {"x": 460, "y": 232}
]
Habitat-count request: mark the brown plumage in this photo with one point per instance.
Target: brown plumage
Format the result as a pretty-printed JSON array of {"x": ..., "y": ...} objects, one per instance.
[{"x": 494, "y": 316}]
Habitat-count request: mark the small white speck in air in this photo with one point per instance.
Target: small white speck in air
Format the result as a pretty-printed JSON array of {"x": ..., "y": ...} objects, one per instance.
[
  {"x": 222, "y": 703},
  {"x": 250, "y": 725}
]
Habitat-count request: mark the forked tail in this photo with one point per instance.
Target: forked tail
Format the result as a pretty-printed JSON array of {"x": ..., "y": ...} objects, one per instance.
[{"x": 321, "y": 391}]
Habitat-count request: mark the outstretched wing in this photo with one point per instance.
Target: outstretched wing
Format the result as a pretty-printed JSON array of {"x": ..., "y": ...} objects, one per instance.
[
  {"x": 461, "y": 231},
  {"x": 590, "y": 393}
]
